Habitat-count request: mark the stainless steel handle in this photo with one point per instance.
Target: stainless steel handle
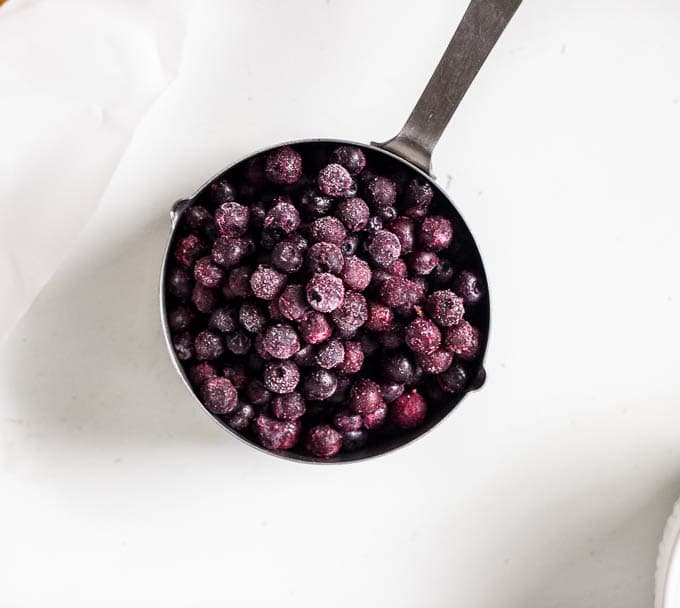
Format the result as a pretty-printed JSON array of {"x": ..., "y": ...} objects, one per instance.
[{"x": 482, "y": 25}]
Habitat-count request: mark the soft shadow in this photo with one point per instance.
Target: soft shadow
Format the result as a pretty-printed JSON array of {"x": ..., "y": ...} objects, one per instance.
[{"x": 88, "y": 364}]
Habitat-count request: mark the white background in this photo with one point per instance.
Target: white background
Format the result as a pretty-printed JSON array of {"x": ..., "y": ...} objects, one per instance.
[{"x": 548, "y": 488}]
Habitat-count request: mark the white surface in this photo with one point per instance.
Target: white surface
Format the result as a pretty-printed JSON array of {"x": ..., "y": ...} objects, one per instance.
[{"x": 548, "y": 488}]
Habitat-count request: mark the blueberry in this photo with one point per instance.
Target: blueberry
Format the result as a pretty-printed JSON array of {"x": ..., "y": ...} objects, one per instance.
[
  {"x": 391, "y": 391},
  {"x": 315, "y": 327},
  {"x": 257, "y": 393},
  {"x": 313, "y": 204},
  {"x": 222, "y": 191},
  {"x": 404, "y": 229},
  {"x": 379, "y": 317},
  {"x": 462, "y": 340},
  {"x": 442, "y": 274},
  {"x": 384, "y": 248},
  {"x": 445, "y": 308},
  {"x": 183, "y": 343},
  {"x": 453, "y": 380},
  {"x": 204, "y": 298},
  {"x": 353, "y": 213},
  {"x": 200, "y": 372},
  {"x": 422, "y": 262},
  {"x": 436, "y": 362},
  {"x": 386, "y": 213},
  {"x": 197, "y": 217},
  {"x": 381, "y": 191},
  {"x": 238, "y": 342},
  {"x": 277, "y": 434},
  {"x": 223, "y": 320},
  {"x": 179, "y": 283},
  {"x": 329, "y": 229},
  {"x": 251, "y": 317},
  {"x": 236, "y": 374},
  {"x": 423, "y": 336},
  {"x": 350, "y": 157},
  {"x": 334, "y": 180},
  {"x": 180, "y": 318},
  {"x": 281, "y": 376},
  {"x": 325, "y": 257},
  {"x": 319, "y": 384},
  {"x": 376, "y": 418},
  {"x": 349, "y": 245},
  {"x": 365, "y": 397},
  {"x": 286, "y": 256},
  {"x": 218, "y": 395},
  {"x": 288, "y": 407},
  {"x": 345, "y": 420},
  {"x": 305, "y": 357},
  {"x": 207, "y": 273},
  {"x": 352, "y": 313},
  {"x": 325, "y": 292},
  {"x": 354, "y": 440},
  {"x": 240, "y": 419},
  {"x": 282, "y": 216},
  {"x": 283, "y": 166},
  {"x": 398, "y": 367},
  {"x": 356, "y": 273},
  {"x": 281, "y": 341},
  {"x": 374, "y": 224},
  {"x": 409, "y": 410},
  {"x": 323, "y": 441},
  {"x": 353, "y": 359},
  {"x": 435, "y": 233},
  {"x": 229, "y": 252},
  {"x": 330, "y": 354},
  {"x": 266, "y": 282},
  {"x": 293, "y": 303},
  {"x": 232, "y": 219},
  {"x": 468, "y": 286}
]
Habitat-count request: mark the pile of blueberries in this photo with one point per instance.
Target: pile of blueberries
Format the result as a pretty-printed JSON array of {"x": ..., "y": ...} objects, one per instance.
[{"x": 317, "y": 304}]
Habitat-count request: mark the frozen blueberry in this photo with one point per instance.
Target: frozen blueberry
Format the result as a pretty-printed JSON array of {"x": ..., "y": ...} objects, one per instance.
[
  {"x": 376, "y": 418},
  {"x": 386, "y": 213},
  {"x": 266, "y": 282},
  {"x": 391, "y": 391},
  {"x": 207, "y": 273},
  {"x": 222, "y": 191},
  {"x": 283, "y": 166},
  {"x": 463, "y": 340},
  {"x": 330, "y": 354},
  {"x": 258, "y": 211},
  {"x": 208, "y": 345},
  {"x": 319, "y": 385},
  {"x": 325, "y": 292},
  {"x": 445, "y": 308},
  {"x": 204, "y": 298},
  {"x": 299, "y": 241},
  {"x": 365, "y": 396},
  {"x": 277, "y": 434},
  {"x": 379, "y": 317},
  {"x": 188, "y": 250},
  {"x": 180, "y": 318},
  {"x": 236, "y": 374},
  {"x": 313, "y": 204},
  {"x": 325, "y": 257},
  {"x": 345, "y": 420},
  {"x": 397, "y": 367},
  {"x": 179, "y": 283},
  {"x": 435, "y": 233},
  {"x": 374, "y": 224},
  {"x": 404, "y": 229},
  {"x": 274, "y": 310},
  {"x": 409, "y": 411},
  {"x": 260, "y": 349},
  {"x": 286, "y": 256},
  {"x": 417, "y": 198},
  {"x": 352, "y": 313},
  {"x": 334, "y": 180},
  {"x": 197, "y": 218},
  {"x": 232, "y": 219},
  {"x": 281, "y": 376},
  {"x": 381, "y": 191},
  {"x": 183, "y": 343},
  {"x": 356, "y": 274},
  {"x": 229, "y": 252},
  {"x": 281, "y": 341},
  {"x": 293, "y": 303},
  {"x": 422, "y": 262},
  {"x": 353, "y": 213},
  {"x": 384, "y": 248},
  {"x": 453, "y": 380},
  {"x": 315, "y": 327},
  {"x": 436, "y": 362},
  {"x": 257, "y": 393},
  {"x": 223, "y": 320},
  {"x": 442, "y": 274},
  {"x": 350, "y": 157},
  {"x": 283, "y": 215},
  {"x": 398, "y": 268},
  {"x": 200, "y": 372},
  {"x": 329, "y": 229},
  {"x": 251, "y": 317},
  {"x": 468, "y": 287},
  {"x": 323, "y": 441},
  {"x": 354, "y": 357},
  {"x": 288, "y": 407},
  {"x": 349, "y": 245},
  {"x": 354, "y": 440},
  {"x": 219, "y": 395},
  {"x": 396, "y": 291},
  {"x": 238, "y": 342},
  {"x": 423, "y": 336},
  {"x": 305, "y": 357},
  {"x": 241, "y": 417}
]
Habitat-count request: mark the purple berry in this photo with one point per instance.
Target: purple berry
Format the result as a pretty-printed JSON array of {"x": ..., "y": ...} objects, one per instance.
[
  {"x": 313, "y": 204},
  {"x": 219, "y": 395},
  {"x": 381, "y": 191},
  {"x": 334, "y": 180},
  {"x": 288, "y": 407},
  {"x": 354, "y": 440},
  {"x": 208, "y": 345},
  {"x": 299, "y": 241},
  {"x": 398, "y": 367},
  {"x": 315, "y": 328},
  {"x": 453, "y": 380},
  {"x": 283, "y": 166},
  {"x": 260, "y": 349},
  {"x": 350, "y": 157},
  {"x": 232, "y": 219},
  {"x": 393, "y": 337},
  {"x": 376, "y": 418},
  {"x": 330, "y": 354},
  {"x": 354, "y": 357},
  {"x": 188, "y": 250},
  {"x": 251, "y": 317},
  {"x": 236, "y": 374},
  {"x": 283, "y": 215},
  {"x": 281, "y": 341},
  {"x": 274, "y": 310},
  {"x": 445, "y": 308},
  {"x": 436, "y": 362},
  {"x": 391, "y": 391},
  {"x": 200, "y": 372},
  {"x": 374, "y": 224},
  {"x": 240, "y": 419},
  {"x": 417, "y": 198},
  {"x": 365, "y": 397},
  {"x": 396, "y": 291},
  {"x": 281, "y": 377},
  {"x": 349, "y": 245},
  {"x": 277, "y": 434},
  {"x": 204, "y": 298},
  {"x": 423, "y": 336},
  {"x": 442, "y": 274},
  {"x": 422, "y": 262},
  {"x": 409, "y": 411},
  {"x": 435, "y": 233},
  {"x": 463, "y": 340},
  {"x": 398, "y": 268},
  {"x": 352, "y": 313},
  {"x": 468, "y": 287},
  {"x": 181, "y": 318},
  {"x": 356, "y": 274},
  {"x": 292, "y": 302},
  {"x": 223, "y": 320},
  {"x": 222, "y": 191},
  {"x": 325, "y": 257},
  {"x": 329, "y": 229},
  {"x": 319, "y": 385},
  {"x": 257, "y": 393},
  {"x": 258, "y": 211},
  {"x": 228, "y": 252},
  {"x": 179, "y": 283},
  {"x": 305, "y": 357},
  {"x": 207, "y": 273},
  {"x": 384, "y": 248},
  {"x": 345, "y": 420},
  {"x": 183, "y": 343},
  {"x": 286, "y": 256},
  {"x": 238, "y": 342},
  {"x": 325, "y": 292},
  {"x": 266, "y": 282},
  {"x": 379, "y": 317},
  {"x": 404, "y": 229},
  {"x": 323, "y": 441},
  {"x": 197, "y": 217},
  {"x": 353, "y": 213}
]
